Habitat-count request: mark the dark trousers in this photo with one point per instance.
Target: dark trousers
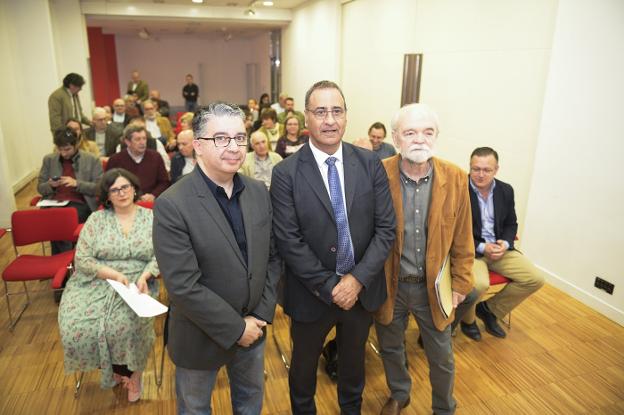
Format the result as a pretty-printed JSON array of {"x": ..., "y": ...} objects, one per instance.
[
  {"x": 83, "y": 213},
  {"x": 352, "y": 329}
]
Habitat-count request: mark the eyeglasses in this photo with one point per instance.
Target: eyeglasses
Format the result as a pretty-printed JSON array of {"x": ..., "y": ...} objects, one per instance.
[
  {"x": 224, "y": 140},
  {"x": 321, "y": 113},
  {"x": 477, "y": 170},
  {"x": 117, "y": 190}
]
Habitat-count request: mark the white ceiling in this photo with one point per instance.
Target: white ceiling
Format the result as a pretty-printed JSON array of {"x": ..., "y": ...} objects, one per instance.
[{"x": 281, "y": 4}]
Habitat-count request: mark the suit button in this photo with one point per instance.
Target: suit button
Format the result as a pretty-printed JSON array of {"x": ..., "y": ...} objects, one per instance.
[
  {"x": 317, "y": 293},
  {"x": 333, "y": 249},
  {"x": 245, "y": 310}
]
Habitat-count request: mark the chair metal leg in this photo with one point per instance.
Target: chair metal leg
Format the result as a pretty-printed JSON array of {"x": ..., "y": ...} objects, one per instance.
[
  {"x": 280, "y": 350},
  {"x": 78, "y": 383},
  {"x": 12, "y": 322}
]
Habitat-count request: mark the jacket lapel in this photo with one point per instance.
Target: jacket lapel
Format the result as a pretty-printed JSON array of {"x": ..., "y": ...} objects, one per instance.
[
  {"x": 498, "y": 209},
  {"x": 312, "y": 175},
  {"x": 438, "y": 198},
  {"x": 247, "y": 208},
  {"x": 350, "y": 173},
  {"x": 210, "y": 204}
]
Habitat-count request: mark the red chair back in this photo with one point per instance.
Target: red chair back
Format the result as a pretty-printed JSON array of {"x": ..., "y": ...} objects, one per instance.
[
  {"x": 145, "y": 204},
  {"x": 38, "y": 225}
]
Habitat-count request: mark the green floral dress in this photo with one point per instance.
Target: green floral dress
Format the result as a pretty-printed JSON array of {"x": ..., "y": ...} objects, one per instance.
[{"x": 97, "y": 327}]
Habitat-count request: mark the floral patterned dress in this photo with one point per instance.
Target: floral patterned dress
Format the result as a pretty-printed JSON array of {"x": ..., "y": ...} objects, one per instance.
[{"x": 98, "y": 329}]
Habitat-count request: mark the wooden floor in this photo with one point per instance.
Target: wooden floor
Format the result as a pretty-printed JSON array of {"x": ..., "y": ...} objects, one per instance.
[{"x": 560, "y": 357}]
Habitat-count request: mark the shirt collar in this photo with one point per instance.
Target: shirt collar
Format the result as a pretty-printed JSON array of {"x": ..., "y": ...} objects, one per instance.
[
  {"x": 320, "y": 156},
  {"x": 74, "y": 158},
  {"x": 217, "y": 190},
  {"x": 426, "y": 178}
]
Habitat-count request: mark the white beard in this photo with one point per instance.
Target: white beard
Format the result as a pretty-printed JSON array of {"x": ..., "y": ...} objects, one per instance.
[{"x": 419, "y": 155}]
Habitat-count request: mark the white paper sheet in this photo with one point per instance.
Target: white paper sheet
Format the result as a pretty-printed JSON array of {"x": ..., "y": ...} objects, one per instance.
[
  {"x": 142, "y": 304},
  {"x": 52, "y": 203}
]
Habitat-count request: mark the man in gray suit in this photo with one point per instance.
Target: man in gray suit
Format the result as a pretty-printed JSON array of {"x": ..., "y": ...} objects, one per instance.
[{"x": 213, "y": 242}]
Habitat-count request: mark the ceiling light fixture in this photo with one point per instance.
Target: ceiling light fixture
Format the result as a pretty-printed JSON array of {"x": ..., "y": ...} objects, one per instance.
[
  {"x": 250, "y": 12},
  {"x": 144, "y": 34},
  {"x": 197, "y": 1},
  {"x": 267, "y": 3}
]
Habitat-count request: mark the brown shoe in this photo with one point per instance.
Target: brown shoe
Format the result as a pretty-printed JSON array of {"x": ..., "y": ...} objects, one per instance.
[{"x": 393, "y": 407}]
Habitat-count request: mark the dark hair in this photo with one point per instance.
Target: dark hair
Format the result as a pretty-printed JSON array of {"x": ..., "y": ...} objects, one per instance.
[
  {"x": 213, "y": 110},
  {"x": 109, "y": 178},
  {"x": 290, "y": 99},
  {"x": 131, "y": 129},
  {"x": 269, "y": 113},
  {"x": 378, "y": 126},
  {"x": 484, "y": 152},
  {"x": 65, "y": 136},
  {"x": 262, "y": 97},
  {"x": 324, "y": 85},
  {"x": 73, "y": 79},
  {"x": 73, "y": 119}
]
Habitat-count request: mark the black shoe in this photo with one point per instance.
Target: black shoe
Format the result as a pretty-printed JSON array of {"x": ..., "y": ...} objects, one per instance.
[
  {"x": 471, "y": 330},
  {"x": 490, "y": 321}
]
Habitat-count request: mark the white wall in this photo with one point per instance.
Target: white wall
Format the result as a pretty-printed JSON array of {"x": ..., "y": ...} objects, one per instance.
[
  {"x": 217, "y": 66},
  {"x": 483, "y": 72},
  {"x": 38, "y": 48},
  {"x": 311, "y": 47},
  {"x": 574, "y": 222}
]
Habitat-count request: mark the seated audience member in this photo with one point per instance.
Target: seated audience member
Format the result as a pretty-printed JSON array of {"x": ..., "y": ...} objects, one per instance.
[
  {"x": 376, "y": 135},
  {"x": 106, "y": 136},
  {"x": 184, "y": 160},
  {"x": 494, "y": 228},
  {"x": 119, "y": 113},
  {"x": 259, "y": 163},
  {"x": 158, "y": 126},
  {"x": 109, "y": 113},
  {"x": 254, "y": 108},
  {"x": 186, "y": 122},
  {"x": 98, "y": 329},
  {"x": 152, "y": 143},
  {"x": 83, "y": 144},
  {"x": 270, "y": 127},
  {"x": 292, "y": 140},
  {"x": 133, "y": 109},
  {"x": 289, "y": 110},
  {"x": 69, "y": 175},
  {"x": 265, "y": 102},
  {"x": 161, "y": 104},
  {"x": 141, "y": 161},
  {"x": 280, "y": 105}
]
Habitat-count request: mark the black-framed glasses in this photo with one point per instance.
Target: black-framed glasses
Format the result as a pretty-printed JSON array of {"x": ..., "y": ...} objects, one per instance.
[
  {"x": 321, "y": 113},
  {"x": 121, "y": 189},
  {"x": 224, "y": 140}
]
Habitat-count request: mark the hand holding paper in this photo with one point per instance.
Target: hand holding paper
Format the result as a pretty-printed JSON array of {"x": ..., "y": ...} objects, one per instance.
[{"x": 142, "y": 304}]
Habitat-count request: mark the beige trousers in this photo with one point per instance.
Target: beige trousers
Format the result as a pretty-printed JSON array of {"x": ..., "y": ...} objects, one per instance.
[{"x": 525, "y": 280}]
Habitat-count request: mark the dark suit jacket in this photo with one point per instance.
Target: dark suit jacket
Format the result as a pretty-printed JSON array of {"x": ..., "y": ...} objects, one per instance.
[
  {"x": 177, "y": 165},
  {"x": 305, "y": 229},
  {"x": 505, "y": 221},
  {"x": 210, "y": 286},
  {"x": 112, "y": 138}
]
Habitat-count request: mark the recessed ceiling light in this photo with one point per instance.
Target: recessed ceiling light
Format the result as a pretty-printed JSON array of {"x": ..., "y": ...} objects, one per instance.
[
  {"x": 250, "y": 12},
  {"x": 267, "y": 3},
  {"x": 197, "y": 1}
]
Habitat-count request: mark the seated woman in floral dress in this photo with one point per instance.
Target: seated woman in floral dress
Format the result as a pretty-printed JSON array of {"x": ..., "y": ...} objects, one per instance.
[{"x": 98, "y": 329}]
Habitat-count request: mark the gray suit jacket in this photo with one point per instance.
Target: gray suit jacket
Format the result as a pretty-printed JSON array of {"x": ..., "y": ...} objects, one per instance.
[
  {"x": 210, "y": 286},
  {"x": 60, "y": 109},
  {"x": 112, "y": 139},
  {"x": 87, "y": 168}
]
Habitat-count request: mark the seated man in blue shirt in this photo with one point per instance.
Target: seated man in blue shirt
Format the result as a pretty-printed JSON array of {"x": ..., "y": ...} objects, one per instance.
[{"x": 494, "y": 228}]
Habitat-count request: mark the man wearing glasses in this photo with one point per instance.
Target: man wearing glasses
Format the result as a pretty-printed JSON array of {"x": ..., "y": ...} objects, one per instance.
[
  {"x": 334, "y": 226},
  {"x": 214, "y": 245},
  {"x": 494, "y": 228}
]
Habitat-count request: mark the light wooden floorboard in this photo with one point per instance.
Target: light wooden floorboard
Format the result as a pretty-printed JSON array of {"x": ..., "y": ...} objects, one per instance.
[{"x": 560, "y": 357}]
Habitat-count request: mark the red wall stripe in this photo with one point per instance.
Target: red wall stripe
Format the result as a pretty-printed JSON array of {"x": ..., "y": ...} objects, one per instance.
[{"x": 103, "y": 66}]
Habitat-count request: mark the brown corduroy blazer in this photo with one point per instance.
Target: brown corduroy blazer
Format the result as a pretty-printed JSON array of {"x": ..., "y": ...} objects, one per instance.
[{"x": 449, "y": 230}]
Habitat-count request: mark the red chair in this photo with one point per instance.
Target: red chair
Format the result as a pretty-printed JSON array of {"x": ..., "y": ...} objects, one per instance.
[
  {"x": 39, "y": 225},
  {"x": 497, "y": 283}
]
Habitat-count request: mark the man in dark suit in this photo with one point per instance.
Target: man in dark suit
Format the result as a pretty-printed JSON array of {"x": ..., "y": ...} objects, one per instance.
[
  {"x": 494, "y": 228},
  {"x": 334, "y": 225},
  {"x": 214, "y": 245}
]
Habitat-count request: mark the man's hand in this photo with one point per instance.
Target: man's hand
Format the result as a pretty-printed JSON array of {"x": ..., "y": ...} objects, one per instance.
[
  {"x": 148, "y": 197},
  {"x": 494, "y": 252},
  {"x": 68, "y": 181},
  {"x": 253, "y": 331},
  {"x": 345, "y": 293},
  {"x": 457, "y": 298}
]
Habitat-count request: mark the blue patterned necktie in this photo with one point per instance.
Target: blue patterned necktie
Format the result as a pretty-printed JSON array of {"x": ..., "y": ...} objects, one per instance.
[{"x": 344, "y": 255}]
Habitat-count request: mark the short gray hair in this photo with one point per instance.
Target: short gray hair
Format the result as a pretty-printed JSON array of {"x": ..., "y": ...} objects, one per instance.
[
  {"x": 99, "y": 111},
  {"x": 214, "y": 110},
  {"x": 422, "y": 110},
  {"x": 131, "y": 129}
]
